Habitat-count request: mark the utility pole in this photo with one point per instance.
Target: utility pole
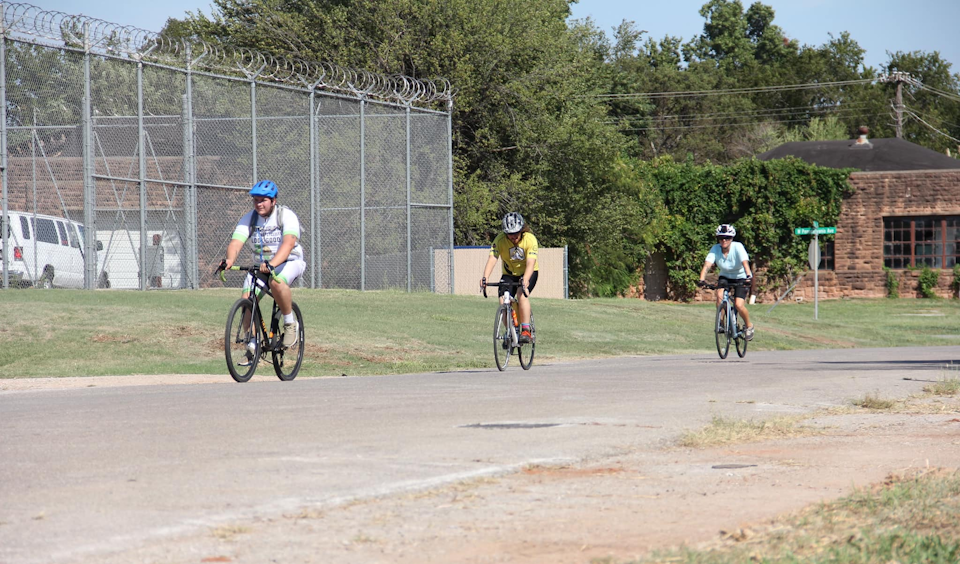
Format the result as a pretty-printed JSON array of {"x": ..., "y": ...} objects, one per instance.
[{"x": 899, "y": 78}]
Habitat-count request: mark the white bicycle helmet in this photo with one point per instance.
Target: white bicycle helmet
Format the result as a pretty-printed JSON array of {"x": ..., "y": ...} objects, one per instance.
[
  {"x": 725, "y": 230},
  {"x": 512, "y": 223}
]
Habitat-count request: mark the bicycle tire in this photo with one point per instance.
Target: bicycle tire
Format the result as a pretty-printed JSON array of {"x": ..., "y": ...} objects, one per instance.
[
  {"x": 237, "y": 336},
  {"x": 282, "y": 356},
  {"x": 501, "y": 338},
  {"x": 741, "y": 340},
  {"x": 721, "y": 331},
  {"x": 528, "y": 349}
]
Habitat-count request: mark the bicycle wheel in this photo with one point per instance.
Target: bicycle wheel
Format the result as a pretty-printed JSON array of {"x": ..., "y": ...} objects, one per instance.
[
  {"x": 741, "y": 340},
  {"x": 242, "y": 323},
  {"x": 721, "y": 332},
  {"x": 501, "y": 338},
  {"x": 526, "y": 351},
  {"x": 286, "y": 362}
]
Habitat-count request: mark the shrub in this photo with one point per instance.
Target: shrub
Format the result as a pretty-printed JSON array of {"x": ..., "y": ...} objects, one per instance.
[
  {"x": 928, "y": 282},
  {"x": 956, "y": 280},
  {"x": 893, "y": 283}
]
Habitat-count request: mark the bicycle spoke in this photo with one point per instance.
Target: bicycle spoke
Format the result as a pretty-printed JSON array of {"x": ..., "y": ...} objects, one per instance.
[
  {"x": 242, "y": 347},
  {"x": 501, "y": 337}
]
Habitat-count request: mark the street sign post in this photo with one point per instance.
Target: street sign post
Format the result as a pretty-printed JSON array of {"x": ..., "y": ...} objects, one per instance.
[{"x": 813, "y": 257}]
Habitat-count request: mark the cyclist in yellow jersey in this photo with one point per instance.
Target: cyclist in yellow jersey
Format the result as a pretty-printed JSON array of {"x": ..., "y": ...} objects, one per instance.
[{"x": 517, "y": 247}]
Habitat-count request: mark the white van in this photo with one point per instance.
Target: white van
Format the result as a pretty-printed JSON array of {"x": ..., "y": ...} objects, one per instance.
[{"x": 48, "y": 252}]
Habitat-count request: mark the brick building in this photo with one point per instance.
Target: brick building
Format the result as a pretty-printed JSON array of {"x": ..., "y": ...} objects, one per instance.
[{"x": 904, "y": 214}]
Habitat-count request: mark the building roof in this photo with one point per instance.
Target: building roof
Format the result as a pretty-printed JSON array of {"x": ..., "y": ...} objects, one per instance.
[{"x": 882, "y": 155}]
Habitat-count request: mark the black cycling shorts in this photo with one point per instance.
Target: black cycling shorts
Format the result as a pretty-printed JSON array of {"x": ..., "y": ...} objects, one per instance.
[
  {"x": 517, "y": 292},
  {"x": 739, "y": 288}
]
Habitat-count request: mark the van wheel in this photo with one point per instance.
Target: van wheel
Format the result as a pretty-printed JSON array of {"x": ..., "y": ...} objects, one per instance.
[
  {"x": 104, "y": 281},
  {"x": 46, "y": 280}
]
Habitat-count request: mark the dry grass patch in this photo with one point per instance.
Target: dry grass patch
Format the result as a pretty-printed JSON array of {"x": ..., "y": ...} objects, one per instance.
[
  {"x": 944, "y": 387},
  {"x": 874, "y": 402},
  {"x": 229, "y": 532},
  {"x": 909, "y": 518},
  {"x": 725, "y": 431}
]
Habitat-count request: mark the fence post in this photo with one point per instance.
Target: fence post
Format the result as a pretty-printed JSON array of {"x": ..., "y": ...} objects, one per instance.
[
  {"x": 363, "y": 199},
  {"x": 409, "y": 242},
  {"x": 566, "y": 273},
  {"x": 142, "y": 175},
  {"x": 4, "y": 219},
  {"x": 191, "y": 264},
  {"x": 450, "y": 184},
  {"x": 314, "y": 173},
  {"x": 253, "y": 128},
  {"x": 89, "y": 188}
]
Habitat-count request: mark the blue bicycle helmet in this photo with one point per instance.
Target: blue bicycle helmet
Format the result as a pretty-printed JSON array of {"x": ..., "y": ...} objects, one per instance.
[{"x": 264, "y": 188}]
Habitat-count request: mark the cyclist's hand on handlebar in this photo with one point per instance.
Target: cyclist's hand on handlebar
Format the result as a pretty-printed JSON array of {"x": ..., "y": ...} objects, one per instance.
[
  {"x": 266, "y": 267},
  {"x": 523, "y": 286},
  {"x": 701, "y": 283},
  {"x": 221, "y": 267},
  {"x": 483, "y": 286}
]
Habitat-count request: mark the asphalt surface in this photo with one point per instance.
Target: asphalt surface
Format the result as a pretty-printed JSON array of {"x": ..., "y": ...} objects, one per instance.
[{"x": 95, "y": 470}]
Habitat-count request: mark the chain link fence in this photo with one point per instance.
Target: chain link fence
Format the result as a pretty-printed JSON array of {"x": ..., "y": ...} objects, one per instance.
[{"x": 127, "y": 158}]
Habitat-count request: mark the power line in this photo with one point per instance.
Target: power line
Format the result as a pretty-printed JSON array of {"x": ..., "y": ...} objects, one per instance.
[
  {"x": 719, "y": 92},
  {"x": 772, "y": 112},
  {"x": 918, "y": 118},
  {"x": 945, "y": 94},
  {"x": 940, "y": 119},
  {"x": 719, "y": 125}
]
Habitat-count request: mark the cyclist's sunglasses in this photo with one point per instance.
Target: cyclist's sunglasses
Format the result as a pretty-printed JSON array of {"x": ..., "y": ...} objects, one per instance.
[{"x": 724, "y": 238}]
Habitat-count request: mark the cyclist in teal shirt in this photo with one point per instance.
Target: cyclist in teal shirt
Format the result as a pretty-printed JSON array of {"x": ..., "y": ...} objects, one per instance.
[{"x": 733, "y": 262}]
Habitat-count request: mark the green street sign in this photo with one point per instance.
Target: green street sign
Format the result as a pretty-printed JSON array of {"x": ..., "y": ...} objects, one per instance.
[{"x": 811, "y": 230}]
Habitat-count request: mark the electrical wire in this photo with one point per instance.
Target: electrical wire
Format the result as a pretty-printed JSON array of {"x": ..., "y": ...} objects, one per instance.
[
  {"x": 940, "y": 119},
  {"x": 719, "y": 92},
  {"x": 943, "y": 93},
  {"x": 719, "y": 125},
  {"x": 773, "y": 112},
  {"x": 918, "y": 118}
]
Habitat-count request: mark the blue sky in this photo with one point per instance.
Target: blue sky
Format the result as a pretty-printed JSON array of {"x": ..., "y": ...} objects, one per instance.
[{"x": 877, "y": 25}]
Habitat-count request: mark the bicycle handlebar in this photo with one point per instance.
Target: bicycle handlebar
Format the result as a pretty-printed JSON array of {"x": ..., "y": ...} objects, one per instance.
[
  {"x": 724, "y": 284},
  {"x": 503, "y": 284},
  {"x": 253, "y": 269}
]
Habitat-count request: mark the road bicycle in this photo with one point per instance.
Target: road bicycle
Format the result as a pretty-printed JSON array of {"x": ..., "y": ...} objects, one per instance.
[
  {"x": 506, "y": 329},
  {"x": 247, "y": 339},
  {"x": 729, "y": 326}
]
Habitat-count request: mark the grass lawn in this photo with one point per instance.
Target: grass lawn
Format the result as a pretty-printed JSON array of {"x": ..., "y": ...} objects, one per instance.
[{"x": 83, "y": 333}]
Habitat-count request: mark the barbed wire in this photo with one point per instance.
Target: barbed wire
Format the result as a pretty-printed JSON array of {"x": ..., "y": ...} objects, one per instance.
[{"x": 62, "y": 30}]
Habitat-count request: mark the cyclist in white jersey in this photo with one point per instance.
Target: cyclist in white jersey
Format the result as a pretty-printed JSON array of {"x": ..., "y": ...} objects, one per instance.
[
  {"x": 280, "y": 251},
  {"x": 733, "y": 262}
]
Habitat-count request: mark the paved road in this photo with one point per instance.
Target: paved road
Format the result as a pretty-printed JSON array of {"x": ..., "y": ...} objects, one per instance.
[{"x": 88, "y": 471}]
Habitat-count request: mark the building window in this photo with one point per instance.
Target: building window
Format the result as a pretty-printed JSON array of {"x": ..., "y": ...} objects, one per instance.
[
  {"x": 921, "y": 241},
  {"x": 826, "y": 255}
]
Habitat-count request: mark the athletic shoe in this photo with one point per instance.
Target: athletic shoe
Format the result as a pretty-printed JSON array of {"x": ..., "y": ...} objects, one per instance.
[
  {"x": 291, "y": 332},
  {"x": 749, "y": 333},
  {"x": 525, "y": 336}
]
